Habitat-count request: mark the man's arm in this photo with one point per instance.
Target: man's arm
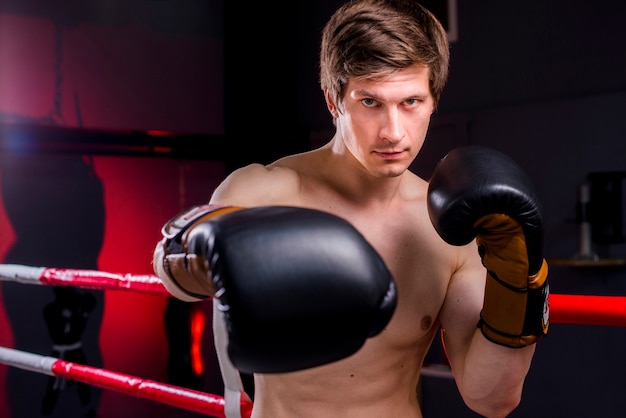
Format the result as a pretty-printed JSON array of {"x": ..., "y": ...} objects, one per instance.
[
  {"x": 476, "y": 192},
  {"x": 489, "y": 376}
]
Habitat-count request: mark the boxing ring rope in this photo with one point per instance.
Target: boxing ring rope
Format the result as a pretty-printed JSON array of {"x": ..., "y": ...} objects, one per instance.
[
  {"x": 204, "y": 403},
  {"x": 588, "y": 310},
  {"x": 88, "y": 279},
  {"x": 188, "y": 399},
  {"x": 564, "y": 309}
]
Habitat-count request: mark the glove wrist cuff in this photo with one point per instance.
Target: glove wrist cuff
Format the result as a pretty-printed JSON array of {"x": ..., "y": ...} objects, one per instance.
[{"x": 516, "y": 318}]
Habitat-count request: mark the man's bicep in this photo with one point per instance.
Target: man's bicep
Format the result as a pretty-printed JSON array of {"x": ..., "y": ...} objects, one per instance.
[{"x": 461, "y": 309}]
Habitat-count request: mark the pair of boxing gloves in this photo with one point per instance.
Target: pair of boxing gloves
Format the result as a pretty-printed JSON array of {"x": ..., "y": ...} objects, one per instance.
[{"x": 299, "y": 288}]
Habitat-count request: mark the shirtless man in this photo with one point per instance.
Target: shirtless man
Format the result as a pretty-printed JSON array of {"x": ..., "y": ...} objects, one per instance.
[{"x": 383, "y": 65}]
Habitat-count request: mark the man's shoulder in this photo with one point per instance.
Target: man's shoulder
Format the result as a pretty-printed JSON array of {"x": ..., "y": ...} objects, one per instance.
[
  {"x": 276, "y": 174},
  {"x": 257, "y": 184},
  {"x": 256, "y": 172}
]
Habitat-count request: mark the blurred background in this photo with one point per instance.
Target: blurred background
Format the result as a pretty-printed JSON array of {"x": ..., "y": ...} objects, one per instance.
[{"x": 115, "y": 115}]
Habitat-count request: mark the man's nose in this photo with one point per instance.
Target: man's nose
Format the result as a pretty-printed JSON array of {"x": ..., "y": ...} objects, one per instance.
[{"x": 392, "y": 129}]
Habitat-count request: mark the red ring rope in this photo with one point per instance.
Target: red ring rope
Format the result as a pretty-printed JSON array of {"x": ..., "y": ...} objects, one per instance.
[
  {"x": 564, "y": 309},
  {"x": 188, "y": 399},
  {"x": 588, "y": 310},
  {"x": 89, "y": 279}
]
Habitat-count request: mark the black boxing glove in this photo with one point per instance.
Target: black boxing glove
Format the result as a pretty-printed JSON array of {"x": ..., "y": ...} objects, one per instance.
[
  {"x": 297, "y": 287},
  {"x": 477, "y": 192}
]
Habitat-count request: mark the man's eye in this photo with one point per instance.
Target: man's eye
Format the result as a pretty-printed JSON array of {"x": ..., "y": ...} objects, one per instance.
[
  {"x": 368, "y": 102},
  {"x": 411, "y": 102}
]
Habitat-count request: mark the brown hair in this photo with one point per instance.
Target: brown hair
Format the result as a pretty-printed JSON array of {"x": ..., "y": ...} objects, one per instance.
[{"x": 375, "y": 38}]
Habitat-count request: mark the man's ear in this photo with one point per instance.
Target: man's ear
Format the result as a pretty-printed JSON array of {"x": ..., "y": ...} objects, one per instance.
[{"x": 332, "y": 107}]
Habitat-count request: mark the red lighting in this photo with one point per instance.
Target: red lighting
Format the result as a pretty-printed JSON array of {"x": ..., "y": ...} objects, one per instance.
[{"x": 198, "y": 322}]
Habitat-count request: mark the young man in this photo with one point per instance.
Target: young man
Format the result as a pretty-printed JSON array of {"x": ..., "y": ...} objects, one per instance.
[{"x": 383, "y": 65}]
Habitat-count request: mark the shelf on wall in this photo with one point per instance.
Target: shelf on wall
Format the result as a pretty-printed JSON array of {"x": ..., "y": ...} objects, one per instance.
[{"x": 581, "y": 262}]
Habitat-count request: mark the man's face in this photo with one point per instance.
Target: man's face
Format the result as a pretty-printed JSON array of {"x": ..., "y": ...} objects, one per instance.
[{"x": 383, "y": 123}]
